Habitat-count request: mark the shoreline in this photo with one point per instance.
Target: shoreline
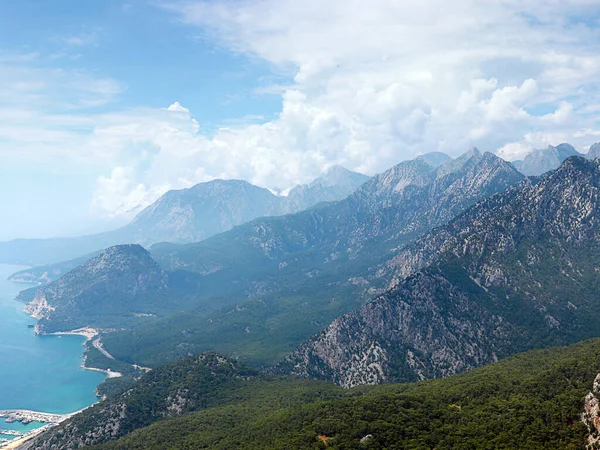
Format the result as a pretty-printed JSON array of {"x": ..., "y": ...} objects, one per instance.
[
  {"x": 87, "y": 332},
  {"x": 90, "y": 333}
]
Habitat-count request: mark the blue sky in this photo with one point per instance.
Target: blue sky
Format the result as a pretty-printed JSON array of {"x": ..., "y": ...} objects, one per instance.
[
  {"x": 155, "y": 58},
  {"x": 105, "y": 105}
]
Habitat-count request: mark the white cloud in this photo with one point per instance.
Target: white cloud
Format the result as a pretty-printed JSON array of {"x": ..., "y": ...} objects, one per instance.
[
  {"x": 177, "y": 108},
  {"x": 397, "y": 78},
  {"x": 375, "y": 83}
]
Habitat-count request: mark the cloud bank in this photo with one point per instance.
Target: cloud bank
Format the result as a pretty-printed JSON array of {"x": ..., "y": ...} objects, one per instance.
[{"x": 373, "y": 83}]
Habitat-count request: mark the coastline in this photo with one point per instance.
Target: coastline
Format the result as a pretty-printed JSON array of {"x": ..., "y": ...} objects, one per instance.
[
  {"x": 15, "y": 444},
  {"x": 49, "y": 419},
  {"x": 89, "y": 334},
  {"x": 18, "y": 436}
]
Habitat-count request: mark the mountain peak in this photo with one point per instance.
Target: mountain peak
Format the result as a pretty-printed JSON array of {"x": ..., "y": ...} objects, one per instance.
[
  {"x": 434, "y": 159},
  {"x": 339, "y": 176},
  {"x": 540, "y": 161},
  {"x": 594, "y": 151},
  {"x": 473, "y": 151}
]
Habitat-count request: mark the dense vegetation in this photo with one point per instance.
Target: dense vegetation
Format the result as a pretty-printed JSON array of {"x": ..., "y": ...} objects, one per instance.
[{"x": 529, "y": 401}]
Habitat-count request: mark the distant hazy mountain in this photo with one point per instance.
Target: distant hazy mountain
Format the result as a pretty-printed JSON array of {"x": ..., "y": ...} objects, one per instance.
[
  {"x": 434, "y": 159},
  {"x": 543, "y": 160},
  {"x": 594, "y": 151},
  {"x": 336, "y": 184},
  {"x": 188, "y": 215},
  {"x": 206, "y": 209},
  {"x": 519, "y": 270}
]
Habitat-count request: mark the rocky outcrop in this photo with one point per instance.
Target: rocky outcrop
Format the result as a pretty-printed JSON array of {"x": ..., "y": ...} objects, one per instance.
[{"x": 591, "y": 415}]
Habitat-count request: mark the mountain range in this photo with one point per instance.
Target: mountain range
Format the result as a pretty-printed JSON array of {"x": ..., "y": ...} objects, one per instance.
[
  {"x": 516, "y": 271},
  {"x": 433, "y": 268},
  {"x": 188, "y": 215},
  {"x": 302, "y": 270}
]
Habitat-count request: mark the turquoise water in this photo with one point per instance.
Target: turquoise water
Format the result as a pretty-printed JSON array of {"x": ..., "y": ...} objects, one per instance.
[
  {"x": 17, "y": 426},
  {"x": 39, "y": 373}
]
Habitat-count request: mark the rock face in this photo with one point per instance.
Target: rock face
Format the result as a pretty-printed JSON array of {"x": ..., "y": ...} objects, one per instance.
[
  {"x": 118, "y": 283},
  {"x": 543, "y": 160},
  {"x": 516, "y": 271},
  {"x": 189, "y": 215},
  {"x": 167, "y": 392},
  {"x": 591, "y": 415}
]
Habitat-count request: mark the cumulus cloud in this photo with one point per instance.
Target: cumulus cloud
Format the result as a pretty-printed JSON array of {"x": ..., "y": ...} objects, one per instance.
[{"x": 397, "y": 78}]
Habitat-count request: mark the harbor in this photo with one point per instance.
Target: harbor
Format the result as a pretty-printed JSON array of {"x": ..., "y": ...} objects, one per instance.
[{"x": 25, "y": 416}]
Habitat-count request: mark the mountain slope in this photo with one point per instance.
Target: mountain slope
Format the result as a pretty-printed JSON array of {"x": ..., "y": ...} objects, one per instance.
[
  {"x": 543, "y": 399},
  {"x": 303, "y": 270},
  {"x": 518, "y": 270},
  {"x": 120, "y": 285},
  {"x": 188, "y": 215}
]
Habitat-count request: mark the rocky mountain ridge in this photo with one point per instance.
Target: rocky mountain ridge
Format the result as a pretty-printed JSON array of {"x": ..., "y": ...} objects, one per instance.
[
  {"x": 516, "y": 271},
  {"x": 292, "y": 275}
]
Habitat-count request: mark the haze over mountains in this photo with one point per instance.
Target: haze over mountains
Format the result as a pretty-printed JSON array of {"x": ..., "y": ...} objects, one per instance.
[
  {"x": 434, "y": 267},
  {"x": 189, "y": 215},
  {"x": 337, "y": 250}
]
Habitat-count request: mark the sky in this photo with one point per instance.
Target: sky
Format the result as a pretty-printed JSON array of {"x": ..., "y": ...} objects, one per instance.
[{"x": 106, "y": 105}]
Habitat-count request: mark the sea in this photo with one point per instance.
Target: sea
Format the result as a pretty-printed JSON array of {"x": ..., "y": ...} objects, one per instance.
[{"x": 38, "y": 373}]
